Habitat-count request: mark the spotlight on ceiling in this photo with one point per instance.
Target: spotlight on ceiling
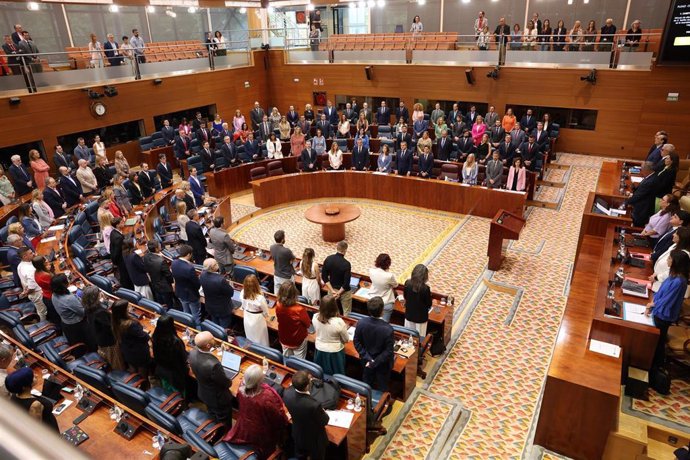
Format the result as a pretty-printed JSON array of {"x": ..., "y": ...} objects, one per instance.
[
  {"x": 151, "y": 9},
  {"x": 243, "y": 10},
  {"x": 113, "y": 8},
  {"x": 15, "y": 101},
  {"x": 591, "y": 77},
  {"x": 110, "y": 91},
  {"x": 32, "y": 6},
  {"x": 192, "y": 9},
  {"x": 494, "y": 73},
  {"x": 158, "y": 81}
]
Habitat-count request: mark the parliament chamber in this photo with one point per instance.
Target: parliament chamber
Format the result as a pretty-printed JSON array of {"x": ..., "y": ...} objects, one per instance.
[{"x": 341, "y": 237}]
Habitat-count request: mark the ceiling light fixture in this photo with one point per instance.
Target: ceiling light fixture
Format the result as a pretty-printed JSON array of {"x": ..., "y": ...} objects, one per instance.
[
  {"x": 381, "y": 3},
  {"x": 243, "y": 10},
  {"x": 151, "y": 9},
  {"x": 32, "y": 6},
  {"x": 113, "y": 8},
  {"x": 192, "y": 9}
]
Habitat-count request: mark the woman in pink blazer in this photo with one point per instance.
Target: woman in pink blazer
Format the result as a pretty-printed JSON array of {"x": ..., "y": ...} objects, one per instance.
[
  {"x": 40, "y": 168},
  {"x": 297, "y": 142},
  {"x": 517, "y": 176},
  {"x": 478, "y": 130}
]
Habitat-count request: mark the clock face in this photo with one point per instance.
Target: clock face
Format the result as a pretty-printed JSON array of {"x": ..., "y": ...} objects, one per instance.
[{"x": 98, "y": 109}]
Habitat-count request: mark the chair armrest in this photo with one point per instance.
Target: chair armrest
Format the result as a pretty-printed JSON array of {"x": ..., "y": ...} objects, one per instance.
[
  {"x": 68, "y": 351},
  {"x": 176, "y": 399},
  {"x": 213, "y": 433},
  {"x": 381, "y": 407},
  {"x": 42, "y": 329},
  {"x": 130, "y": 380}
]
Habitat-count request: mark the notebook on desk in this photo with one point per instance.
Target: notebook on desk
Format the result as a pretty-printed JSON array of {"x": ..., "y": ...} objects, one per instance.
[{"x": 231, "y": 364}]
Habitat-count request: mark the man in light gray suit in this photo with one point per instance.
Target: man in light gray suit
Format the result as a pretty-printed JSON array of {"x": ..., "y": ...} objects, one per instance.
[
  {"x": 491, "y": 117},
  {"x": 222, "y": 245},
  {"x": 494, "y": 171},
  {"x": 214, "y": 385},
  {"x": 26, "y": 46}
]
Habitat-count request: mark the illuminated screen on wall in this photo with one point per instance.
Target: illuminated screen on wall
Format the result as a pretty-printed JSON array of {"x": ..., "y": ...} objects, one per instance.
[{"x": 676, "y": 42}]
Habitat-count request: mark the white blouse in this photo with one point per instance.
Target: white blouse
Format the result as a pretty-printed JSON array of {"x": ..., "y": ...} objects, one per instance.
[
  {"x": 335, "y": 159},
  {"x": 257, "y": 305},
  {"x": 332, "y": 336},
  {"x": 275, "y": 149}
]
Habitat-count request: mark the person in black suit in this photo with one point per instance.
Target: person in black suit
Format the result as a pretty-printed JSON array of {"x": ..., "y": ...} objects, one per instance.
[
  {"x": 360, "y": 157},
  {"x": 541, "y": 137},
  {"x": 401, "y": 113},
  {"x": 256, "y": 115},
  {"x": 116, "y": 255},
  {"x": 666, "y": 172},
  {"x": 644, "y": 197},
  {"x": 164, "y": 171},
  {"x": 404, "y": 159},
  {"x": 21, "y": 177},
  {"x": 453, "y": 114},
  {"x": 252, "y": 150},
  {"x": 147, "y": 181},
  {"x": 374, "y": 343},
  {"x": 229, "y": 152},
  {"x": 466, "y": 145},
  {"x": 530, "y": 153},
  {"x": 292, "y": 116},
  {"x": 195, "y": 237},
  {"x": 383, "y": 114},
  {"x": 104, "y": 177},
  {"x": 136, "y": 269},
  {"x": 309, "y": 158},
  {"x": 213, "y": 384},
  {"x": 528, "y": 121},
  {"x": 426, "y": 163},
  {"x": 444, "y": 146},
  {"x": 324, "y": 126},
  {"x": 331, "y": 114},
  {"x": 60, "y": 158},
  {"x": 403, "y": 136},
  {"x": 309, "y": 420},
  {"x": 11, "y": 50},
  {"x": 168, "y": 133},
  {"x": 265, "y": 129},
  {"x": 197, "y": 122},
  {"x": 112, "y": 51},
  {"x": 203, "y": 134},
  {"x": 135, "y": 192},
  {"x": 71, "y": 188},
  {"x": 471, "y": 116},
  {"x": 507, "y": 150},
  {"x": 159, "y": 274},
  {"x": 182, "y": 148},
  {"x": 53, "y": 197},
  {"x": 678, "y": 219},
  {"x": 350, "y": 114},
  {"x": 207, "y": 157},
  {"x": 217, "y": 294}
]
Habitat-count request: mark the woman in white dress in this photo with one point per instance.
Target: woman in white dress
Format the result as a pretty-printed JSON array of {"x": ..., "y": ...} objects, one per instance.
[
  {"x": 383, "y": 284},
  {"x": 274, "y": 147},
  {"x": 335, "y": 157},
  {"x": 96, "y": 50},
  {"x": 311, "y": 278},
  {"x": 182, "y": 219},
  {"x": 98, "y": 147},
  {"x": 681, "y": 240},
  {"x": 255, "y": 311}
]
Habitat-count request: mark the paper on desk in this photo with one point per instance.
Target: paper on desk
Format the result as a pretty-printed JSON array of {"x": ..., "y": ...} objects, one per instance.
[
  {"x": 636, "y": 179},
  {"x": 639, "y": 281},
  {"x": 55, "y": 228},
  {"x": 48, "y": 240},
  {"x": 636, "y": 313},
  {"x": 340, "y": 418},
  {"x": 351, "y": 333},
  {"x": 363, "y": 292},
  {"x": 72, "y": 288},
  {"x": 604, "y": 348}
]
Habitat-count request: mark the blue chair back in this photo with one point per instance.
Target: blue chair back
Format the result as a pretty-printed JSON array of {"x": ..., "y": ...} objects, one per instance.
[
  {"x": 152, "y": 306},
  {"x": 406, "y": 331},
  {"x": 102, "y": 282},
  {"x": 94, "y": 377},
  {"x": 80, "y": 266},
  {"x": 217, "y": 331},
  {"x": 10, "y": 319},
  {"x": 356, "y": 386},
  {"x": 268, "y": 352},
  {"x": 162, "y": 418},
  {"x": 128, "y": 295},
  {"x": 181, "y": 317},
  {"x": 134, "y": 398},
  {"x": 52, "y": 355},
  {"x": 4, "y": 233},
  {"x": 74, "y": 234},
  {"x": 300, "y": 364},
  {"x": 23, "y": 337},
  {"x": 242, "y": 271},
  {"x": 80, "y": 218},
  {"x": 357, "y": 316},
  {"x": 194, "y": 440}
]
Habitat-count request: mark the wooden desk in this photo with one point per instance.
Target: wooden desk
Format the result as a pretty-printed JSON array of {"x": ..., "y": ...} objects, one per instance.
[
  {"x": 506, "y": 226},
  {"x": 412, "y": 191},
  {"x": 232, "y": 180},
  {"x": 151, "y": 156},
  {"x": 594, "y": 223},
  {"x": 332, "y": 225}
]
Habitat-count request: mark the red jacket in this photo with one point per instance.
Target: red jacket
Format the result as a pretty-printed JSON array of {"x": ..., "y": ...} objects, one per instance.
[{"x": 293, "y": 323}]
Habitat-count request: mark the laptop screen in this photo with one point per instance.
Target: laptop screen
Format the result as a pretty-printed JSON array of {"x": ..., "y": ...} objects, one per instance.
[{"x": 231, "y": 361}]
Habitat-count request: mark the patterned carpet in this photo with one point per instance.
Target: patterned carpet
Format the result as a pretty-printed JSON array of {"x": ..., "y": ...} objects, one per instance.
[{"x": 672, "y": 410}]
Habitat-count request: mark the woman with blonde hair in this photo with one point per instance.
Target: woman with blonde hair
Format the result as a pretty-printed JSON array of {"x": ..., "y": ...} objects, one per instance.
[
  {"x": 238, "y": 120},
  {"x": 311, "y": 278},
  {"x": 331, "y": 337},
  {"x": 275, "y": 118},
  {"x": 362, "y": 123},
  {"x": 297, "y": 142},
  {"x": 335, "y": 157},
  {"x": 576, "y": 37},
  {"x": 255, "y": 311},
  {"x": 7, "y": 193},
  {"x": 284, "y": 128},
  {"x": 470, "y": 170},
  {"x": 105, "y": 222},
  {"x": 121, "y": 164},
  {"x": 418, "y": 112},
  {"x": 40, "y": 168},
  {"x": 309, "y": 113},
  {"x": 182, "y": 219},
  {"x": 425, "y": 141},
  {"x": 41, "y": 209},
  {"x": 120, "y": 195}
]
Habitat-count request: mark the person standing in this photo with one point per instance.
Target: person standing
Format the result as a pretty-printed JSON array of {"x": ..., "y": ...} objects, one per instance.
[
  {"x": 417, "y": 300},
  {"x": 170, "y": 356},
  {"x": 159, "y": 273},
  {"x": 223, "y": 246},
  {"x": 116, "y": 243},
  {"x": 71, "y": 311},
  {"x": 255, "y": 311},
  {"x": 100, "y": 325},
  {"x": 382, "y": 284},
  {"x": 311, "y": 277},
  {"x": 136, "y": 270},
  {"x": 374, "y": 341},
  {"x": 195, "y": 237},
  {"x": 138, "y": 46},
  {"x": 293, "y": 322},
  {"x": 186, "y": 282},
  {"x": 133, "y": 339},
  {"x": 214, "y": 385},
  {"x": 331, "y": 337},
  {"x": 336, "y": 274},
  {"x": 283, "y": 270},
  {"x": 494, "y": 171},
  {"x": 27, "y": 277},
  {"x": 20, "y": 176},
  {"x": 217, "y": 294},
  {"x": 40, "y": 168},
  {"x": 112, "y": 51},
  {"x": 309, "y": 420}
]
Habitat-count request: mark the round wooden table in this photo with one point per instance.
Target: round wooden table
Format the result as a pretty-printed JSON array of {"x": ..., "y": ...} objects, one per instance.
[{"x": 332, "y": 217}]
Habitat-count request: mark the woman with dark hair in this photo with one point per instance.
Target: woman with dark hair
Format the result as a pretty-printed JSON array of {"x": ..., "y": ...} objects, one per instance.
[
  {"x": 293, "y": 322},
  {"x": 659, "y": 223},
  {"x": 382, "y": 284},
  {"x": 666, "y": 178},
  {"x": 19, "y": 384},
  {"x": 559, "y": 35},
  {"x": 170, "y": 356},
  {"x": 255, "y": 311},
  {"x": 219, "y": 42},
  {"x": 136, "y": 269},
  {"x": 43, "y": 277},
  {"x": 681, "y": 242},
  {"x": 417, "y": 295},
  {"x": 311, "y": 277},
  {"x": 417, "y": 26},
  {"x": 71, "y": 311},
  {"x": 101, "y": 328},
  {"x": 132, "y": 338},
  {"x": 32, "y": 229},
  {"x": 667, "y": 302},
  {"x": 331, "y": 337}
]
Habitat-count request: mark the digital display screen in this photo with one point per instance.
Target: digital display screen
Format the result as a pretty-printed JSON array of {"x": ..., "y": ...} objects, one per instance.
[{"x": 675, "y": 46}]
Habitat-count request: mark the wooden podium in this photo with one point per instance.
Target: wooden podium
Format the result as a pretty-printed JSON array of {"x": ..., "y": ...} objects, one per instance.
[{"x": 504, "y": 226}]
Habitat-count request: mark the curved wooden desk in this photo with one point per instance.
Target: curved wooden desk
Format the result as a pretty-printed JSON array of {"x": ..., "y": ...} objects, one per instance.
[
  {"x": 423, "y": 193},
  {"x": 332, "y": 225}
]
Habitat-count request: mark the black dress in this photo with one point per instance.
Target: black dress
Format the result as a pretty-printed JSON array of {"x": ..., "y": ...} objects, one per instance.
[
  {"x": 171, "y": 363},
  {"x": 47, "y": 416},
  {"x": 417, "y": 304},
  {"x": 134, "y": 344}
]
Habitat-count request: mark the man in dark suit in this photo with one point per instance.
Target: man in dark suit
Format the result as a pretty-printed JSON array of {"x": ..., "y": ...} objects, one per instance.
[
  {"x": 466, "y": 145},
  {"x": 196, "y": 237},
  {"x": 444, "y": 146},
  {"x": 164, "y": 171},
  {"x": 355, "y": 107},
  {"x": 360, "y": 157},
  {"x": 203, "y": 134},
  {"x": 292, "y": 116},
  {"x": 678, "y": 219},
  {"x": 471, "y": 116},
  {"x": 17, "y": 34},
  {"x": 207, "y": 157},
  {"x": 53, "y": 197},
  {"x": 404, "y": 160},
  {"x": 383, "y": 115},
  {"x": 528, "y": 121},
  {"x": 159, "y": 273},
  {"x": 81, "y": 152},
  {"x": 217, "y": 294},
  {"x": 21, "y": 177},
  {"x": 135, "y": 193},
  {"x": 11, "y": 50},
  {"x": 530, "y": 153},
  {"x": 496, "y": 133},
  {"x": 309, "y": 420},
  {"x": 112, "y": 51},
  {"x": 168, "y": 133},
  {"x": 198, "y": 121},
  {"x": 196, "y": 187},
  {"x": 182, "y": 145},
  {"x": 426, "y": 163},
  {"x": 305, "y": 126},
  {"x": 229, "y": 152},
  {"x": 60, "y": 158},
  {"x": 403, "y": 136},
  {"x": 71, "y": 188},
  {"x": 252, "y": 150},
  {"x": 374, "y": 341},
  {"x": 506, "y": 149},
  {"x": 453, "y": 114},
  {"x": 186, "y": 282},
  {"x": 225, "y": 131},
  {"x": 116, "y": 242},
  {"x": 213, "y": 384},
  {"x": 147, "y": 181},
  {"x": 349, "y": 113},
  {"x": 324, "y": 125},
  {"x": 309, "y": 158},
  {"x": 541, "y": 137},
  {"x": 401, "y": 113},
  {"x": 654, "y": 154},
  {"x": 644, "y": 197},
  {"x": 265, "y": 130},
  {"x": 257, "y": 114},
  {"x": 331, "y": 115},
  {"x": 27, "y": 46}
]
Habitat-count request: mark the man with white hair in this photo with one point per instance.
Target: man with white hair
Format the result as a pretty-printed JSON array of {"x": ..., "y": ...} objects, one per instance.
[
  {"x": 112, "y": 51},
  {"x": 71, "y": 188},
  {"x": 666, "y": 150},
  {"x": 217, "y": 294},
  {"x": 20, "y": 176},
  {"x": 88, "y": 180},
  {"x": 214, "y": 385},
  {"x": 14, "y": 242}
]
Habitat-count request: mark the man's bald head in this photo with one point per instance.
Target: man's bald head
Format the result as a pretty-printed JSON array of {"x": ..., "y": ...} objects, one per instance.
[
  {"x": 82, "y": 163},
  {"x": 203, "y": 340}
]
